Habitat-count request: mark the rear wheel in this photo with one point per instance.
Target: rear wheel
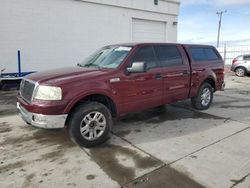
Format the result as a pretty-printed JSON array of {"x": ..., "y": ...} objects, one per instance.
[
  {"x": 240, "y": 72},
  {"x": 90, "y": 124},
  {"x": 204, "y": 97}
]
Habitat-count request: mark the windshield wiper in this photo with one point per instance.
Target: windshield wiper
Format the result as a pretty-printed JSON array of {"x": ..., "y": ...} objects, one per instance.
[{"x": 92, "y": 65}]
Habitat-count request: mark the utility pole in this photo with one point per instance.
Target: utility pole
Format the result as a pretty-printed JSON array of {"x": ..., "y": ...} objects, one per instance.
[{"x": 220, "y": 18}]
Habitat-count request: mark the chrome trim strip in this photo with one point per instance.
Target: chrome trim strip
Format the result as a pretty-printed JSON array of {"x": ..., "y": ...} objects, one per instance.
[{"x": 34, "y": 91}]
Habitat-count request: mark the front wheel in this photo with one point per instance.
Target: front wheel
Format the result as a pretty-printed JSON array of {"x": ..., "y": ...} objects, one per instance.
[
  {"x": 90, "y": 124},
  {"x": 240, "y": 72},
  {"x": 204, "y": 97}
]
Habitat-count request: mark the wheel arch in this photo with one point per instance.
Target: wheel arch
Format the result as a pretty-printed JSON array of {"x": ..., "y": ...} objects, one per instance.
[
  {"x": 94, "y": 97},
  {"x": 211, "y": 81}
]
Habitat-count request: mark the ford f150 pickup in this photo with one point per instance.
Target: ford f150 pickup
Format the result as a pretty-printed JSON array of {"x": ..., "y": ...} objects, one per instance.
[{"x": 116, "y": 80}]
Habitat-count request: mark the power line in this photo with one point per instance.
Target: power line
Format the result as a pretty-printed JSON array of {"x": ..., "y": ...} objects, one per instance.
[{"x": 220, "y": 13}]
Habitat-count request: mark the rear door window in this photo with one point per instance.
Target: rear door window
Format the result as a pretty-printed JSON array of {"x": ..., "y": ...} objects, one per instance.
[
  {"x": 197, "y": 54},
  {"x": 203, "y": 54},
  {"x": 168, "y": 55},
  {"x": 210, "y": 54}
]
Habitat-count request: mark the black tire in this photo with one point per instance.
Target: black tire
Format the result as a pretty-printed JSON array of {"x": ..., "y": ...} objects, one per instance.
[
  {"x": 80, "y": 114},
  {"x": 240, "y": 71},
  {"x": 198, "y": 102}
]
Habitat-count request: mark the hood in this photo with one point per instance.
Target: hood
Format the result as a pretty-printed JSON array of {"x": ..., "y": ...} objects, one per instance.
[{"x": 68, "y": 74}]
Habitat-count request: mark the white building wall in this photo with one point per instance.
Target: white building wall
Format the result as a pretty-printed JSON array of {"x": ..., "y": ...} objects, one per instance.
[{"x": 59, "y": 33}]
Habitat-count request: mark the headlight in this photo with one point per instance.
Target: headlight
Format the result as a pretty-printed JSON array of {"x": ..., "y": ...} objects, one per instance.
[{"x": 48, "y": 93}]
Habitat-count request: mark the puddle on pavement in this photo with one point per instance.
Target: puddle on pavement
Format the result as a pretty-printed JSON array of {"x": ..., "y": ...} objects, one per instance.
[
  {"x": 8, "y": 103},
  {"x": 237, "y": 91},
  {"x": 8, "y": 94},
  {"x": 52, "y": 156},
  {"x": 7, "y": 112},
  {"x": 244, "y": 92},
  {"x": 165, "y": 113},
  {"x": 20, "y": 145},
  {"x": 52, "y": 137},
  {"x": 4, "y": 127},
  {"x": 162, "y": 178},
  {"x": 42, "y": 137},
  {"x": 9, "y": 167},
  {"x": 115, "y": 161},
  {"x": 217, "y": 103},
  {"x": 90, "y": 177},
  {"x": 28, "y": 180},
  {"x": 235, "y": 106},
  {"x": 8, "y": 97},
  {"x": 122, "y": 133}
]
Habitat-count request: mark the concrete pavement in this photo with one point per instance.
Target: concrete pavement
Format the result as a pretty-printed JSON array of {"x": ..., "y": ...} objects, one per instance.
[{"x": 171, "y": 146}]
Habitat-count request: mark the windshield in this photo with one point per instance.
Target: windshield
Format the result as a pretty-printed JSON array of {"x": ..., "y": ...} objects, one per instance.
[{"x": 107, "y": 57}]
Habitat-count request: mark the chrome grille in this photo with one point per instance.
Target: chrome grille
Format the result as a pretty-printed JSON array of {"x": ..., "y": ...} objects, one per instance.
[{"x": 26, "y": 89}]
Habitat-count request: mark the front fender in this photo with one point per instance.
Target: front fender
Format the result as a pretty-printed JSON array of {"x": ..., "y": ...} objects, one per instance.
[{"x": 83, "y": 95}]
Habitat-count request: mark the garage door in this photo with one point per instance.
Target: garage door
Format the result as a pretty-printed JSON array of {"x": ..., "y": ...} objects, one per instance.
[{"x": 148, "y": 31}]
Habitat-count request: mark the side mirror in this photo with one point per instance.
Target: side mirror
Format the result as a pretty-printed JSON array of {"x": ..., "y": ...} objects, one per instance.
[{"x": 137, "y": 67}]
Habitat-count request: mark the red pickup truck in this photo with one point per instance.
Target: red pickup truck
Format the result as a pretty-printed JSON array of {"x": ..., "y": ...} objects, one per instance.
[{"x": 118, "y": 79}]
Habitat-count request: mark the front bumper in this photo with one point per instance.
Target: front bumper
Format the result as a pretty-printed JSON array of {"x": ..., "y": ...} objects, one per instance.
[{"x": 41, "y": 120}]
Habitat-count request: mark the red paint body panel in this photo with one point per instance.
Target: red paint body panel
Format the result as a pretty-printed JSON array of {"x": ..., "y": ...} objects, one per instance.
[
  {"x": 177, "y": 85},
  {"x": 200, "y": 71},
  {"x": 138, "y": 91},
  {"x": 133, "y": 92},
  {"x": 44, "y": 107}
]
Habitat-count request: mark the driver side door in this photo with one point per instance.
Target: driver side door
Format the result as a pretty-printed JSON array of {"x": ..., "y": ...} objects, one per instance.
[{"x": 142, "y": 90}]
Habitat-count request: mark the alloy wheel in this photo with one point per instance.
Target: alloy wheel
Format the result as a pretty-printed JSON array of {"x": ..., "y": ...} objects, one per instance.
[
  {"x": 205, "y": 97},
  {"x": 93, "y": 125}
]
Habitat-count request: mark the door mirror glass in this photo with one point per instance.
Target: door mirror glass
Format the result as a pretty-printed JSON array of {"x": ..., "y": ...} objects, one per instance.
[{"x": 137, "y": 67}]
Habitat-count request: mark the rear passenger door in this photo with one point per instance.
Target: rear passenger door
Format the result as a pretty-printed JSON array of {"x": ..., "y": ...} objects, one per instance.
[{"x": 175, "y": 71}]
